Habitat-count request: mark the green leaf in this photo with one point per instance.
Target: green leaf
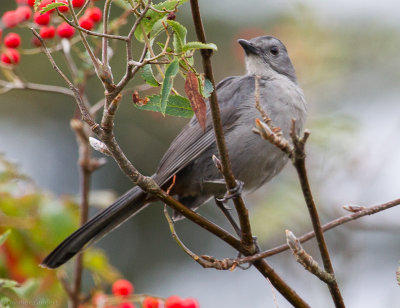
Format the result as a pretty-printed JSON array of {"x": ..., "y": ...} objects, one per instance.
[
  {"x": 158, "y": 28},
  {"x": 27, "y": 289},
  {"x": 4, "y": 236},
  {"x": 177, "y": 106},
  {"x": 152, "y": 16},
  {"x": 51, "y": 6},
  {"x": 179, "y": 35},
  {"x": 123, "y": 4},
  {"x": 170, "y": 72},
  {"x": 199, "y": 45},
  {"x": 207, "y": 88},
  {"x": 8, "y": 283},
  {"x": 36, "y": 5},
  {"x": 147, "y": 74}
]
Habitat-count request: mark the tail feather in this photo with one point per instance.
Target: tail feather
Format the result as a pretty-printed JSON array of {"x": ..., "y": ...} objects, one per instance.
[{"x": 126, "y": 206}]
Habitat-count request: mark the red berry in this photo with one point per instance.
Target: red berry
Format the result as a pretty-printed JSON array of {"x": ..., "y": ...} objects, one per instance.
[
  {"x": 10, "y": 19},
  {"x": 173, "y": 302},
  {"x": 10, "y": 56},
  {"x": 93, "y": 13},
  {"x": 122, "y": 287},
  {"x": 86, "y": 23},
  {"x": 45, "y": 3},
  {"x": 31, "y": 2},
  {"x": 42, "y": 19},
  {"x": 23, "y": 13},
  {"x": 47, "y": 32},
  {"x": 151, "y": 302},
  {"x": 12, "y": 40},
  {"x": 190, "y": 303},
  {"x": 64, "y": 8},
  {"x": 126, "y": 305},
  {"x": 78, "y": 3},
  {"x": 64, "y": 30}
]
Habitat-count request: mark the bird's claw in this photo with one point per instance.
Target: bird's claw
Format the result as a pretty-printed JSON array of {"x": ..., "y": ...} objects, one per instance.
[
  {"x": 245, "y": 267},
  {"x": 232, "y": 193}
]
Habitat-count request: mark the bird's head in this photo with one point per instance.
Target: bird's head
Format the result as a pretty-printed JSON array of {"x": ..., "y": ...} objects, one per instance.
[{"x": 266, "y": 56}]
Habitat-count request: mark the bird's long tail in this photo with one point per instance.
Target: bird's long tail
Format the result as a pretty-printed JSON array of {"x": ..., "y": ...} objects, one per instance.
[{"x": 126, "y": 206}]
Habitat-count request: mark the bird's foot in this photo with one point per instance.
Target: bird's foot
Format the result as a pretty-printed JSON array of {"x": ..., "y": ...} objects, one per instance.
[
  {"x": 248, "y": 265},
  {"x": 233, "y": 193}
]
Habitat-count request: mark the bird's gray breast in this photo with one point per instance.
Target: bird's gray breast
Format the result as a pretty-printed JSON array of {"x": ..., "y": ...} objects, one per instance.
[{"x": 254, "y": 160}]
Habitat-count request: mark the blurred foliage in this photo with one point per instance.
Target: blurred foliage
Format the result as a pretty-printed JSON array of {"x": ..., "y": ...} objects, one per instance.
[{"x": 31, "y": 224}]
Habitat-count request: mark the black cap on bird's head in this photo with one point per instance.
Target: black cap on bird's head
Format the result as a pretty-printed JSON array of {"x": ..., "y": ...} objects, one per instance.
[{"x": 266, "y": 55}]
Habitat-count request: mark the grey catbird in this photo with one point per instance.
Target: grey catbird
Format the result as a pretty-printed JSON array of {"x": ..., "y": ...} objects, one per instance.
[{"x": 189, "y": 157}]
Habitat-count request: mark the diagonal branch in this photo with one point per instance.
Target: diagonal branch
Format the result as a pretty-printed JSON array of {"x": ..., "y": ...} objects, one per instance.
[
  {"x": 297, "y": 155},
  {"x": 298, "y": 159},
  {"x": 231, "y": 183}
]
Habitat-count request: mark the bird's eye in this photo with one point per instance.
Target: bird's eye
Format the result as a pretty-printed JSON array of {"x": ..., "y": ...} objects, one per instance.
[{"x": 274, "y": 50}]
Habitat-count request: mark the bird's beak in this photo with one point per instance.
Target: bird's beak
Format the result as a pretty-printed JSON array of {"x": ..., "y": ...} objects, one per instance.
[{"x": 248, "y": 47}]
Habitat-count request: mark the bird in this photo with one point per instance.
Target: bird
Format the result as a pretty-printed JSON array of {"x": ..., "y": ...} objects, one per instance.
[{"x": 189, "y": 160}]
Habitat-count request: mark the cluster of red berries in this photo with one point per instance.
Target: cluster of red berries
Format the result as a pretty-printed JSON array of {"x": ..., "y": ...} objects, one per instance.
[
  {"x": 123, "y": 288},
  {"x": 48, "y": 28}
]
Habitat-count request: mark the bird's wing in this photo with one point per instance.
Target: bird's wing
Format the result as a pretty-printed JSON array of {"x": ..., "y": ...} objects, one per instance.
[{"x": 192, "y": 140}]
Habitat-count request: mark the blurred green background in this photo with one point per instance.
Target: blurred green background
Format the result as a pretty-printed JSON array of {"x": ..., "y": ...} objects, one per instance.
[{"x": 348, "y": 63}]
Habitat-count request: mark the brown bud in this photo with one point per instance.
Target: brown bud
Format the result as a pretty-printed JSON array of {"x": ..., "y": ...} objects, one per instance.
[
  {"x": 171, "y": 16},
  {"x": 139, "y": 101}
]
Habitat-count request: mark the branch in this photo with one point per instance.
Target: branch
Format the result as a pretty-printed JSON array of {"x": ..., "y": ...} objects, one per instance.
[
  {"x": 86, "y": 170},
  {"x": 297, "y": 155},
  {"x": 83, "y": 39},
  {"x": 247, "y": 238},
  {"x": 231, "y": 183},
  {"x": 35, "y": 86},
  {"x": 306, "y": 260},
  {"x": 358, "y": 212},
  {"x": 330, "y": 225},
  {"x": 298, "y": 159},
  {"x": 86, "y": 116}
]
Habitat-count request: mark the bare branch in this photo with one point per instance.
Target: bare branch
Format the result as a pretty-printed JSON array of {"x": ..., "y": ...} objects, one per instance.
[
  {"x": 86, "y": 116},
  {"x": 35, "y": 86},
  {"x": 298, "y": 160},
  {"x": 231, "y": 183},
  {"x": 306, "y": 260},
  {"x": 83, "y": 39}
]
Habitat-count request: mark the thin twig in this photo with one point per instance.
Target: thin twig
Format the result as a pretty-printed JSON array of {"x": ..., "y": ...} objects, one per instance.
[
  {"x": 106, "y": 15},
  {"x": 330, "y": 225},
  {"x": 92, "y": 33},
  {"x": 306, "y": 260},
  {"x": 86, "y": 116},
  {"x": 36, "y": 87},
  {"x": 83, "y": 39},
  {"x": 204, "y": 261}
]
